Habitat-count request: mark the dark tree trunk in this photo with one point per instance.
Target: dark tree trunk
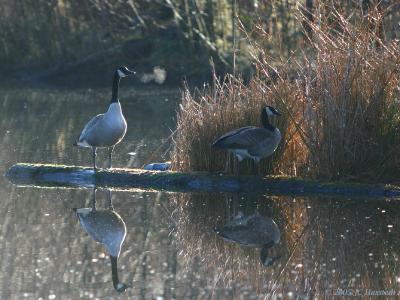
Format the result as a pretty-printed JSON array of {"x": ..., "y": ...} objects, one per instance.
[{"x": 309, "y": 18}]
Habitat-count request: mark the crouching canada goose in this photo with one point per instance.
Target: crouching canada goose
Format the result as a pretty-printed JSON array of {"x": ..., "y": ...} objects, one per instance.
[
  {"x": 252, "y": 142},
  {"x": 253, "y": 231},
  {"x": 106, "y": 227},
  {"x": 106, "y": 130}
]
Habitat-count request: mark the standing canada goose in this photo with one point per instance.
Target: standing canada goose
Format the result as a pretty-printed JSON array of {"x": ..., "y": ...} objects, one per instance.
[
  {"x": 106, "y": 227},
  {"x": 106, "y": 130},
  {"x": 252, "y": 142},
  {"x": 253, "y": 231}
]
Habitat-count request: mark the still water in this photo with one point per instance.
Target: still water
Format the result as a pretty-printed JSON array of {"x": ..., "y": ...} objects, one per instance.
[{"x": 327, "y": 246}]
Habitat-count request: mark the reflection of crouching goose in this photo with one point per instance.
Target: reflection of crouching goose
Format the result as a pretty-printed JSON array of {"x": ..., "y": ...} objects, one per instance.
[
  {"x": 106, "y": 227},
  {"x": 255, "y": 231}
]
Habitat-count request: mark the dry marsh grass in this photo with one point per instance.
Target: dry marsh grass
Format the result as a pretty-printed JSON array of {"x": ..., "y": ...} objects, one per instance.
[{"x": 341, "y": 116}]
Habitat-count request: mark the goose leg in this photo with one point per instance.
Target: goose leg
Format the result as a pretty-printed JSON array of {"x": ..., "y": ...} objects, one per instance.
[
  {"x": 110, "y": 151},
  {"x": 237, "y": 164},
  {"x": 255, "y": 168},
  {"x": 226, "y": 169},
  {"x": 258, "y": 169},
  {"x": 94, "y": 199},
  {"x": 110, "y": 206},
  {"x": 228, "y": 163},
  {"x": 94, "y": 150}
]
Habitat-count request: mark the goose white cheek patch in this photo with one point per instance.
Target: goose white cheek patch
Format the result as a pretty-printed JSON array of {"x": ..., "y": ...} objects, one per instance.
[
  {"x": 120, "y": 285},
  {"x": 269, "y": 112}
]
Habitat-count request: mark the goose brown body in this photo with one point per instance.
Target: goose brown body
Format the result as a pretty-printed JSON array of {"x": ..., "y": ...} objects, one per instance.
[
  {"x": 251, "y": 141},
  {"x": 253, "y": 231}
]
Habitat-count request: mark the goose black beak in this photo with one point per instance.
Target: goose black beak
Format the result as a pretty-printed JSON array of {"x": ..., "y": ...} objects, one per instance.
[{"x": 130, "y": 72}]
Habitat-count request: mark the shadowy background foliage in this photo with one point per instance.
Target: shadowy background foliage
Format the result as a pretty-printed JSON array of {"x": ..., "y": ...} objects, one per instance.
[
  {"x": 52, "y": 39},
  {"x": 332, "y": 67}
]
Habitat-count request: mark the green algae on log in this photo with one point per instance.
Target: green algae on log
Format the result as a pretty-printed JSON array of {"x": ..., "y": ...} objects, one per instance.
[{"x": 76, "y": 176}]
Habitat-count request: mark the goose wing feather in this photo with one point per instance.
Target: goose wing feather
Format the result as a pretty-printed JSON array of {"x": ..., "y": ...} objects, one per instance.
[
  {"x": 254, "y": 230},
  {"x": 244, "y": 234},
  {"x": 93, "y": 123},
  {"x": 243, "y": 138}
]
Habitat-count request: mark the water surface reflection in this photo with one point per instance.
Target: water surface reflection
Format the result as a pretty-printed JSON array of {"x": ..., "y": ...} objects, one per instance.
[
  {"x": 170, "y": 249},
  {"x": 326, "y": 245},
  {"x": 254, "y": 231},
  {"x": 108, "y": 228}
]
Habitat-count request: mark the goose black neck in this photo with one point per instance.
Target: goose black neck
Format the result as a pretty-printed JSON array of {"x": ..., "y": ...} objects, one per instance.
[
  {"x": 265, "y": 121},
  {"x": 115, "y": 88},
  {"x": 114, "y": 271},
  {"x": 268, "y": 245}
]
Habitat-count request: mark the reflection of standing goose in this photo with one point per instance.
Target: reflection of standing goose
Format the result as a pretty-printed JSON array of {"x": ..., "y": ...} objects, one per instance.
[
  {"x": 106, "y": 227},
  {"x": 255, "y": 231}
]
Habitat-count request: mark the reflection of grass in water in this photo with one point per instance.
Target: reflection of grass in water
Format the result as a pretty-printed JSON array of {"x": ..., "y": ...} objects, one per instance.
[
  {"x": 336, "y": 247},
  {"x": 312, "y": 246},
  {"x": 215, "y": 264}
]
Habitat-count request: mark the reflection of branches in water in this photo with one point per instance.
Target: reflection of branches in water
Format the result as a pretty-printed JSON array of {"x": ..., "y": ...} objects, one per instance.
[
  {"x": 141, "y": 260},
  {"x": 286, "y": 264}
]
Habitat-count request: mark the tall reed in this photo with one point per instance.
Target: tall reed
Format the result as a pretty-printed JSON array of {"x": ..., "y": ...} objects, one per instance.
[{"x": 340, "y": 102}]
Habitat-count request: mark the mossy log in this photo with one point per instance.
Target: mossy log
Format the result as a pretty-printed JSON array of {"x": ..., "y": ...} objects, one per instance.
[{"x": 75, "y": 176}]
